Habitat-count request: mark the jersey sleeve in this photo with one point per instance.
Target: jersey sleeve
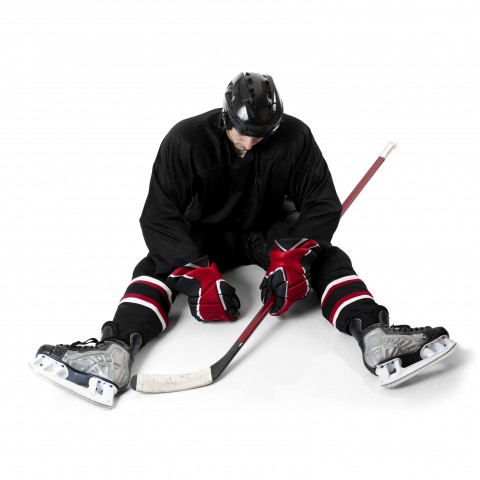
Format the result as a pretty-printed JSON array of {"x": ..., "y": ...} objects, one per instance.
[
  {"x": 165, "y": 229},
  {"x": 312, "y": 190}
]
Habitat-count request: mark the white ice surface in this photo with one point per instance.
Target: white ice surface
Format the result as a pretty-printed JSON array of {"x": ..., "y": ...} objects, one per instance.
[{"x": 87, "y": 92}]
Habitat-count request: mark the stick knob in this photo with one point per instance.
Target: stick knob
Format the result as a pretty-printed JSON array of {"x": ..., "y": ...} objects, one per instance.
[{"x": 391, "y": 145}]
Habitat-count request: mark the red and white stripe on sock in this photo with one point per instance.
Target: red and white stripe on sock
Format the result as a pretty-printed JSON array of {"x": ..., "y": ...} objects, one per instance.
[
  {"x": 342, "y": 293},
  {"x": 152, "y": 294}
]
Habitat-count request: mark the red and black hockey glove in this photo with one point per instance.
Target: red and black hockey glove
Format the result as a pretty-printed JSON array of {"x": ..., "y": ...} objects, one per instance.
[
  {"x": 288, "y": 275},
  {"x": 210, "y": 297}
]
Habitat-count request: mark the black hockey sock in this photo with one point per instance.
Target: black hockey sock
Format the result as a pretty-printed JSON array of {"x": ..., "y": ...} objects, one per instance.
[
  {"x": 143, "y": 309},
  {"x": 346, "y": 298}
]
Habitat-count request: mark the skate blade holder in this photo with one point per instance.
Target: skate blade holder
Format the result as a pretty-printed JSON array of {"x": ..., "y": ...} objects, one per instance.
[
  {"x": 98, "y": 391},
  {"x": 392, "y": 373}
]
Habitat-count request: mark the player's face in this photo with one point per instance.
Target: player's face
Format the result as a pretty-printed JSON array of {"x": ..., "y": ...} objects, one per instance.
[{"x": 242, "y": 143}]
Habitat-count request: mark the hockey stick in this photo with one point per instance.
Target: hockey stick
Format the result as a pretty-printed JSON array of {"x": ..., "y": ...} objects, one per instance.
[{"x": 206, "y": 376}]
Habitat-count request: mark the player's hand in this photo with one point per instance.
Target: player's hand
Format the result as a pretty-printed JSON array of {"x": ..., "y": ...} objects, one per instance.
[
  {"x": 288, "y": 275},
  {"x": 210, "y": 297}
]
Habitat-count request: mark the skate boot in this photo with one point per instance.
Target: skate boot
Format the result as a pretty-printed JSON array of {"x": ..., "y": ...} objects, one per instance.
[
  {"x": 397, "y": 353},
  {"x": 94, "y": 370}
]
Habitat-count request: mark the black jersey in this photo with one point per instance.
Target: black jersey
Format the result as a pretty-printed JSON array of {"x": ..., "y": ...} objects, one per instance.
[{"x": 199, "y": 180}]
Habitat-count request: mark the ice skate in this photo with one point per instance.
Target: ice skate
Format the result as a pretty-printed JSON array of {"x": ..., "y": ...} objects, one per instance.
[
  {"x": 94, "y": 370},
  {"x": 399, "y": 352}
]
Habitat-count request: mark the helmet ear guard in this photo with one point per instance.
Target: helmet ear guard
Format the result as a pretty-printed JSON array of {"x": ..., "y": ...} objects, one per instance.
[
  {"x": 252, "y": 105},
  {"x": 226, "y": 123}
]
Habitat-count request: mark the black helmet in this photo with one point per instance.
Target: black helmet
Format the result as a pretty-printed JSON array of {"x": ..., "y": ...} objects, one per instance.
[{"x": 252, "y": 105}]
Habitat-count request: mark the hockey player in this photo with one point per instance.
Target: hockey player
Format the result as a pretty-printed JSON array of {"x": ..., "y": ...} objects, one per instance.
[{"x": 245, "y": 184}]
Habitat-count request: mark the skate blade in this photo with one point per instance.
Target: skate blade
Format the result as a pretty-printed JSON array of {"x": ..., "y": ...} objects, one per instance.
[
  {"x": 98, "y": 392},
  {"x": 392, "y": 373}
]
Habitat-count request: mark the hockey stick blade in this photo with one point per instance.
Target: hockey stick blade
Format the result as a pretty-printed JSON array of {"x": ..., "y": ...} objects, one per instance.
[{"x": 201, "y": 378}]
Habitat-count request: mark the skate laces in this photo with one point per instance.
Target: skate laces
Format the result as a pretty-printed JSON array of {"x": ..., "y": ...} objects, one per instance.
[
  {"x": 89, "y": 344},
  {"x": 407, "y": 329}
]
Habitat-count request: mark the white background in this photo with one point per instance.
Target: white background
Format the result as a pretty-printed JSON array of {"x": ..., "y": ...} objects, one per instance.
[{"x": 87, "y": 92}]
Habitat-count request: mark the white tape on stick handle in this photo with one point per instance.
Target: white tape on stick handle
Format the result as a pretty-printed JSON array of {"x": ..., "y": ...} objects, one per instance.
[{"x": 391, "y": 145}]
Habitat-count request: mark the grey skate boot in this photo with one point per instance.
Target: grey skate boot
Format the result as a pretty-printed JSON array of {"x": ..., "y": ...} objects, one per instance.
[
  {"x": 397, "y": 353},
  {"x": 94, "y": 370}
]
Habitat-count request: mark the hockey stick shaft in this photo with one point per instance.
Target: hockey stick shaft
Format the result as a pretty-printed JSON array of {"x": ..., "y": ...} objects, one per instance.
[
  {"x": 206, "y": 376},
  {"x": 366, "y": 178},
  {"x": 346, "y": 204}
]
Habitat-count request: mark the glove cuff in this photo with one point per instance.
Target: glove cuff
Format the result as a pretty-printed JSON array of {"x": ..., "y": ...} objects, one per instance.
[{"x": 286, "y": 244}]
